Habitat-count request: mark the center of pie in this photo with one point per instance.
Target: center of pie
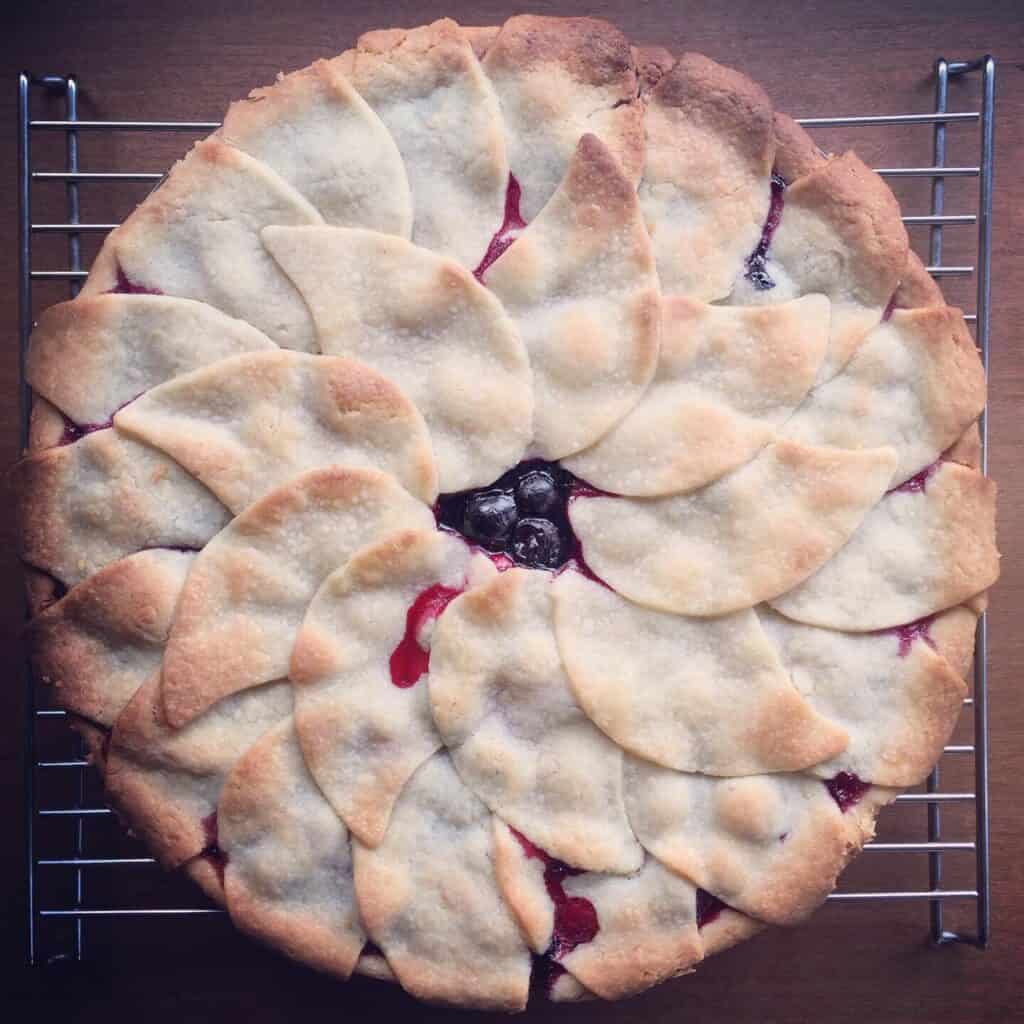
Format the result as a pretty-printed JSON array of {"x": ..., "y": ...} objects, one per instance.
[{"x": 523, "y": 515}]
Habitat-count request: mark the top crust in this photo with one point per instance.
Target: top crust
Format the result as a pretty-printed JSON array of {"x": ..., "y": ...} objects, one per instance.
[
  {"x": 796, "y": 153},
  {"x": 365, "y": 208},
  {"x": 557, "y": 78}
]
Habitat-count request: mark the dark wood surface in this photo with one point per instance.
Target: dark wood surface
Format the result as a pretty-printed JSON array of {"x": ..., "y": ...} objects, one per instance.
[{"x": 185, "y": 60}]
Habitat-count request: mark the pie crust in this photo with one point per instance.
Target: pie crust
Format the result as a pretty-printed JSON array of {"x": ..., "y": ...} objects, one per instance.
[{"x": 507, "y": 508}]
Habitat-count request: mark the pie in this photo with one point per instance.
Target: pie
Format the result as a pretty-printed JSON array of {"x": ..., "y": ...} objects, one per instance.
[{"x": 508, "y": 506}]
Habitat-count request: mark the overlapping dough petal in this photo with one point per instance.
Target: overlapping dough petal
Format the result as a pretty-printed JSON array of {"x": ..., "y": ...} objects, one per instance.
[
  {"x": 897, "y": 698},
  {"x": 646, "y": 923},
  {"x": 426, "y": 324},
  {"x": 558, "y": 79},
  {"x": 428, "y": 88},
  {"x": 319, "y": 135},
  {"x": 915, "y": 383},
  {"x": 101, "y": 642},
  {"x": 362, "y": 734},
  {"x": 92, "y": 356},
  {"x": 197, "y": 236},
  {"x": 840, "y": 234},
  {"x": 288, "y": 876},
  {"x": 245, "y": 597},
  {"x": 580, "y": 285},
  {"x": 928, "y": 545},
  {"x": 705, "y": 190},
  {"x": 726, "y": 379},
  {"x": 749, "y": 536},
  {"x": 428, "y": 897},
  {"x": 503, "y": 706},
  {"x": 166, "y": 781},
  {"x": 81, "y": 506},
  {"x": 699, "y": 695},
  {"x": 769, "y": 845},
  {"x": 249, "y": 423}
]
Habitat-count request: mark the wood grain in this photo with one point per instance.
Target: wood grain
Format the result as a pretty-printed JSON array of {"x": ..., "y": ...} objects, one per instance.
[{"x": 184, "y": 60}]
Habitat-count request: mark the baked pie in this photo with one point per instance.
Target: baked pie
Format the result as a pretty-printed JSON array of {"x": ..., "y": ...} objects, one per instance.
[{"x": 507, "y": 505}]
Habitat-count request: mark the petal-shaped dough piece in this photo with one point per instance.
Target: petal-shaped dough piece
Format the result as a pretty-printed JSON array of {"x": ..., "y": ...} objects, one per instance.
[
  {"x": 319, "y": 135},
  {"x": 166, "y": 781},
  {"x": 749, "y": 536},
  {"x": 363, "y": 736},
  {"x": 250, "y": 423},
  {"x": 897, "y": 698},
  {"x": 83, "y": 505},
  {"x": 429, "y": 899},
  {"x": 926, "y": 546},
  {"x": 92, "y": 356},
  {"x": 288, "y": 877},
  {"x": 101, "y": 642},
  {"x": 840, "y": 234},
  {"x": 197, "y": 236},
  {"x": 796, "y": 153},
  {"x": 727, "y": 376},
  {"x": 917, "y": 289},
  {"x": 426, "y": 324},
  {"x": 706, "y": 188},
  {"x": 646, "y": 922},
  {"x": 47, "y": 425},
  {"x": 769, "y": 845},
  {"x": 915, "y": 383},
  {"x": 699, "y": 695},
  {"x": 244, "y": 600},
  {"x": 557, "y": 79},
  {"x": 428, "y": 88},
  {"x": 580, "y": 285},
  {"x": 502, "y": 703}
]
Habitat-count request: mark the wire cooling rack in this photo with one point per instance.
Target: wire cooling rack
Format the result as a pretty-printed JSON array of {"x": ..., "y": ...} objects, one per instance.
[{"x": 83, "y": 870}]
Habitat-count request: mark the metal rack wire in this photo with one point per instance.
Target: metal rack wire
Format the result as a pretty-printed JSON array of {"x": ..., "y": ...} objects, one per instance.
[{"x": 61, "y": 899}]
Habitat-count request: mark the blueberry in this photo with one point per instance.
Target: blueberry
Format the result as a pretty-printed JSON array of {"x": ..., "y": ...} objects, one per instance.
[
  {"x": 537, "y": 492},
  {"x": 489, "y": 517},
  {"x": 537, "y": 542}
]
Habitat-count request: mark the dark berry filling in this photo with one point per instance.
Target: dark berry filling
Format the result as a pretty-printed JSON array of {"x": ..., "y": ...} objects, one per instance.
[
  {"x": 536, "y": 542},
  {"x": 511, "y": 225},
  {"x": 757, "y": 262},
  {"x": 76, "y": 431},
  {"x": 889, "y": 307},
  {"x": 212, "y": 851},
  {"x": 489, "y": 517},
  {"x": 522, "y": 518},
  {"x": 409, "y": 660},
  {"x": 708, "y": 907},
  {"x": 575, "y": 917},
  {"x": 917, "y": 484},
  {"x": 846, "y": 789},
  {"x": 125, "y": 286},
  {"x": 911, "y": 631}
]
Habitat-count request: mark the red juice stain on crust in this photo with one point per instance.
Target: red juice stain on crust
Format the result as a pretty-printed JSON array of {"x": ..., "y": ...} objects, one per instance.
[
  {"x": 911, "y": 631},
  {"x": 76, "y": 431},
  {"x": 575, "y": 917},
  {"x": 511, "y": 225},
  {"x": 756, "y": 265},
  {"x": 846, "y": 789},
  {"x": 918, "y": 483},
  {"x": 708, "y": 907},
  {"x": 125, "y": 286},
  {"x": 212, "y": 851},
  {"x": 409, "y": 660}
]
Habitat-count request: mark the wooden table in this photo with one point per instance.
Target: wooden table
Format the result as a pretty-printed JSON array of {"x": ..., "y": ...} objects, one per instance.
[{"x": 159, "y": 60}]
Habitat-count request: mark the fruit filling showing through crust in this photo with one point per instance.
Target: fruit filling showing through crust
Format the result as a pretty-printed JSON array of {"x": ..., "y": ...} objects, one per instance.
[
  {"x": 757, "y": 272},
  {"x": 575, "y": 917},
  {"x": 410, "y": 660},
  {"x": 511, "y": 225},
  {"x": 212, "y": 851},
  {"x": 912, "y": 631},
  {"x": 846, "y": 789},
  {"x": 708, "y": 907},
  {"x": 125, "y": 286},
  {"x": 522, "y": 517}
]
